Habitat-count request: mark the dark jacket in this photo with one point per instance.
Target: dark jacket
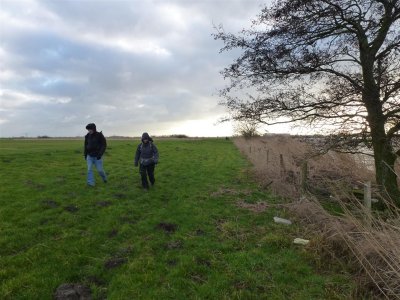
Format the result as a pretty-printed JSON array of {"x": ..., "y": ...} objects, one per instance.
[
  {"x": 95, "y": 144},
  {"x": 146, "y": 153}
]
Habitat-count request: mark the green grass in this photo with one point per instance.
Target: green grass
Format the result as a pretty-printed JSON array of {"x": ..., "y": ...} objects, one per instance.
[{"x": 218, "y": 250}]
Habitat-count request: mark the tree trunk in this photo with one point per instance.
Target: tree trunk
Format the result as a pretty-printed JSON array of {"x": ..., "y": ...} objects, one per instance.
[
  {"x": 384, "y": 155},
  {"x": 385, "y": 159},
  {"x": 385, "y": 175}
]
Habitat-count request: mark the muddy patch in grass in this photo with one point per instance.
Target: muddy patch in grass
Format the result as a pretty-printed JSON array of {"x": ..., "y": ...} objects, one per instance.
[
  {"x": 203, "y": 262},
  {"x": 128, "y": 220},
  {"x": 49, "y": 203},
  {"x": 119, "y": 258},
  {"x": 119, "y": 196},
  {"x": 172, "y": 262},
  {"x": 71, "y": 208},
  {"x": 113, "y": 233},
  {"x": 115, "y": 262},
  {"x": 103, "y": 203},
  {"x": 7, "y": 160},
  {"x": 198, "y": 278},
  {"x": 44, "y": 221},
  {"x": 200, "y": 232},
  {"x": 172, "y": 245},
  {"x": 72, "y": 291},
  {"x": 34, "y": 185},
  {"x": 241, "y": 285},
  {"x": 167, "y": 227},
  {"x": 124, "y": 252},
  {"x": 94, "y": 280},
  {"x": 220, "y": 223}
]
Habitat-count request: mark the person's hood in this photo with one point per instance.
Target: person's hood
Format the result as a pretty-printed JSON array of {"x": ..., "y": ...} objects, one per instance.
[
  {"x": 145, "y": 136},
  {"x": 91, "y": 126}
]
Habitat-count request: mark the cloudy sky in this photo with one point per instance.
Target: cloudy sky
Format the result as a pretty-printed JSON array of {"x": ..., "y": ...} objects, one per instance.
[{"x": 127, "y": 65}]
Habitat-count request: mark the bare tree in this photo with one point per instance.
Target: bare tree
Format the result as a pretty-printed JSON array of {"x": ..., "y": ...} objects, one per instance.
[
  {"x": 329, "y": 63},
  {"x": 247, "y": 128}
]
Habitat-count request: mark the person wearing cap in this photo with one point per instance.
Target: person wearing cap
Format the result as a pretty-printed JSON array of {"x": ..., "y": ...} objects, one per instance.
[
  {"x": 95, "y": 146},
  {"x": 146, "y": 157}
]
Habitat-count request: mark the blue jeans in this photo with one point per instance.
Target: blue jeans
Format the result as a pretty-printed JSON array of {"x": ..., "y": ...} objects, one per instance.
[{"x": 92, "y": 160}]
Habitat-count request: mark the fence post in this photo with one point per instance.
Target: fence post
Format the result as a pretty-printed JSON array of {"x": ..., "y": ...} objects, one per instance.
[
  {"x": 304, "y": 175},
  {"x": 367, "y": 195},
  {"x": 282, "y": 165}
]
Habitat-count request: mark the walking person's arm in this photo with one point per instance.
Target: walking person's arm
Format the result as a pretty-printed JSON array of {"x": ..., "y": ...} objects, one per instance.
[
  {"x": 137, "y": 156},
  {"x": 156, "y": 155},
  {"x": 103, "y": 146},
  {"x": 85, "y": 148}
]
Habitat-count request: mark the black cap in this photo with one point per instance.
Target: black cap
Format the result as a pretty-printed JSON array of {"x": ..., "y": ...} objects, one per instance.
[{"x": 91, "y": 126}]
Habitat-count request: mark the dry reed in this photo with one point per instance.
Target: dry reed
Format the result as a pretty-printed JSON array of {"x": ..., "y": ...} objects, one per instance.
[
  {"x": 369, "y": 241},
  {"x": 282, "y": 162}
]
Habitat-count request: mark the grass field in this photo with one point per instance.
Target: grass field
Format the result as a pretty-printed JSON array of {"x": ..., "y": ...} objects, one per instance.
[{"x": 184, "y": 239}]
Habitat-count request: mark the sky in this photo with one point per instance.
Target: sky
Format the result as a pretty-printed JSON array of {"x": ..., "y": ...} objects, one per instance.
[{"x": 127, "y": 66}]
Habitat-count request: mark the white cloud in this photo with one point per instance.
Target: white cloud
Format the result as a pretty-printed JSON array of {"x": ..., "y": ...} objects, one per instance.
[
  {"x": 69, "y": 119},
  {"x": 12, "y": 99}
]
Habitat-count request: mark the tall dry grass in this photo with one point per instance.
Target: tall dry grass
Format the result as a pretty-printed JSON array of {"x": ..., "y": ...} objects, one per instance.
[
  {"x": 368, "y": 241},
  {"x": 370, "y": 244},
  {"x": 281, "y": 160}
]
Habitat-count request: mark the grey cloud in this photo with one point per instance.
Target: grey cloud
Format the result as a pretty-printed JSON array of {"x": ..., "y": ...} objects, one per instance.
[{"x": 125, "y": 65}]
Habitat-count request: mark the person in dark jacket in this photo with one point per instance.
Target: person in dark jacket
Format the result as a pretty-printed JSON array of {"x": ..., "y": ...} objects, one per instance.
[
  {"x": 95, "y": 146},
  {"x": 146, "y": 157}
]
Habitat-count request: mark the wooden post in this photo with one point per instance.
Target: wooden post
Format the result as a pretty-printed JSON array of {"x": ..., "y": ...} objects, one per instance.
[
  {"x": 282, "y": 165},
  {"x": 304, "y": 175},
  {"x": 367, "y": 202},
  {"x": 367, "y": 195}
]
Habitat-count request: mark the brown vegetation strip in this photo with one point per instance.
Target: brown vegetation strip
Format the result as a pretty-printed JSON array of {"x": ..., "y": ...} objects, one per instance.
[{"x": 370, "y": 241}]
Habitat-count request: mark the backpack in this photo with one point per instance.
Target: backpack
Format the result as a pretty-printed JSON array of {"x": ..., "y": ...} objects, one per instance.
[
  {"x": 146, "y": 161},
  {"x": 141, "y": 146}
]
